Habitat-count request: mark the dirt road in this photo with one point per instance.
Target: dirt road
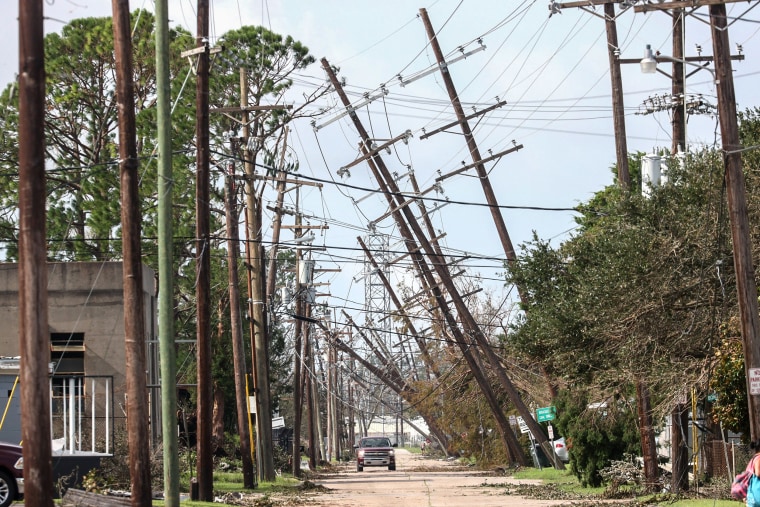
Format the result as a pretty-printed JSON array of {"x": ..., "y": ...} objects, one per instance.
[{"x": 418, "y": 481}]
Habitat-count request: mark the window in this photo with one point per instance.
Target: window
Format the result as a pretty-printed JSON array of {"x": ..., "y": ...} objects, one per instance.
[
  {"x": 67, "y": 352},
  {"x": 67, "y": 356}
]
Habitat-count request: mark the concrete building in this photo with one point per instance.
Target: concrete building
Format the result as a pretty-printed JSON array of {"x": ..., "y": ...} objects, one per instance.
[{"x": 87, "y": 352}]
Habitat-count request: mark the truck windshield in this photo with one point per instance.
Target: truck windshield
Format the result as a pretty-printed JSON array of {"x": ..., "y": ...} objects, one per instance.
[{"x": 376, "y": 442}]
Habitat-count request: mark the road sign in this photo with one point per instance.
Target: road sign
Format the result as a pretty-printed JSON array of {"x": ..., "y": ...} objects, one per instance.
[
  {"x": 754, "y": 381},
  {"x": 546, "y": 413},
  {"x": 523, "y": 426}
]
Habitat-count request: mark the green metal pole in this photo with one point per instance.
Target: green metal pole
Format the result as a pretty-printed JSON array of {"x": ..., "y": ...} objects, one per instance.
[{"x": 165, "y": 268}]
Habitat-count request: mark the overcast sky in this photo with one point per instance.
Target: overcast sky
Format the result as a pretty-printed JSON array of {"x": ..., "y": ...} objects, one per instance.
[{"x": 552, "y": 71}]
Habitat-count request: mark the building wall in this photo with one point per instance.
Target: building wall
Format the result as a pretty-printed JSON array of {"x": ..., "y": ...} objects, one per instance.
[{"x": 83, "y": 297}]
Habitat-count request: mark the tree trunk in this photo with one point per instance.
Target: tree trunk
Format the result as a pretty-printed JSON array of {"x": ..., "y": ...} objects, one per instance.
[
  {"x": 217, "y": 427},
  {"x": 679, "y": 452},
  {"x": 648, "y": 448}
]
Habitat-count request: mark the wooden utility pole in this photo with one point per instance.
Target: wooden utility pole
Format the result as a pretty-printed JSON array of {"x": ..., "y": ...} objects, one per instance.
[
  {"x": 618, "y": 108},
  {"x": 737, "y": 208},
  {"x": 308, "y": 379},
  {"x": 332, "y": 402},
  {"x": 238, "y": 349},
  {"x": 257, "y": 308},
  {"x": 165, "y": 261},
  {"x": 277, "y": 224},
  {"x": 679, "y": 420},
  {"x": 34, "y": 333},
  {"x": 678, "y": 82},
  {"x": 483, "y": 176},
  {"x": 297, "y": 360},
  {"x": 735, "y": 191},
  {"x": 131, "y": 222},
  {"x": 205, "y": 390},
  {"x": 618, "y": 111},
  {"x": 407, "y": 223},
  {"x": 501, "y": 227}
]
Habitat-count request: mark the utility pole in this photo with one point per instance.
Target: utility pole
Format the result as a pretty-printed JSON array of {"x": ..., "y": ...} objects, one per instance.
[
  {"x": 131, "y": 221},
  {"x": 205, "y": 390},
  {"x": 407, "y": 223},
  {"x": 238, "y": 349},
  {"x": 329, "y": 403},
  {"x": 474, "y": 335},
  {"x": 501, "y": 227},
  {"x": 277, "y": 224},
  {"x": 679, "y": 420},
  {"x": 737, "y": 208},
  {"x": 165, "y": 261},
  {"x": 618, "y": 108},
  {"x": 618, "y": 111},
  {"x": 34, "y": 337},
  {"x": 297, "y": 359},
  {"x": 735, "y": 190},
  {"x": 678, "y": 82},
  {"x": 257, "y": 307},
  {"x": 308, "y": 380}
]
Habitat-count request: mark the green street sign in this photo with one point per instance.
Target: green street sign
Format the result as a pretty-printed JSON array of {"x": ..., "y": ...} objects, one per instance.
[{"x": 546, "y": 414}]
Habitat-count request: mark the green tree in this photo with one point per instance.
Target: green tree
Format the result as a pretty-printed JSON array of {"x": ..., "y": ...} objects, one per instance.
[
  {"x": 596, "y": 433},
  {"x": 636, "y": 294},
  {"x": 82, "y": 152},
  {"x": 81, "y": 142}
]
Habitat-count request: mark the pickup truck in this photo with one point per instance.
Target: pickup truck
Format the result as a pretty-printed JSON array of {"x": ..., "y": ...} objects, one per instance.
[{"x": 375, "y": 452}]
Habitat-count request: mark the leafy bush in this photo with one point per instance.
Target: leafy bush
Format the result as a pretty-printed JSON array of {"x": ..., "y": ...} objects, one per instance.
[{"x": 595, "y": 437}]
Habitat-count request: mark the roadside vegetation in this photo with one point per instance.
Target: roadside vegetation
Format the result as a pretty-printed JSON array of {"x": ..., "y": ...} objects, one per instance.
[{"x": 563, "y": 485}]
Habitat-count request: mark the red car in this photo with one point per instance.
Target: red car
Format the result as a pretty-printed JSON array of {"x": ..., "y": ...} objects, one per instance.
[{"x": 11, "y": 474}]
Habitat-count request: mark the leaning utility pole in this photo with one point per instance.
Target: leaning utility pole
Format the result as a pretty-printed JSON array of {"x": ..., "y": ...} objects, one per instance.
[
  {"x": 34, "y": 333},
  {"x": 205, "y": 390},
  {"x": 472, "y": 335},
  {"x": 501, "y": 227},
  {"x": 131, "y": 220},
  {"x": 165, "y": 261}
]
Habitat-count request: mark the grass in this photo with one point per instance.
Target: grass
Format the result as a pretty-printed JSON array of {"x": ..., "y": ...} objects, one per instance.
[
  {"x": 566, "y": 481},
  {"x": 230, "y": 482}
]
